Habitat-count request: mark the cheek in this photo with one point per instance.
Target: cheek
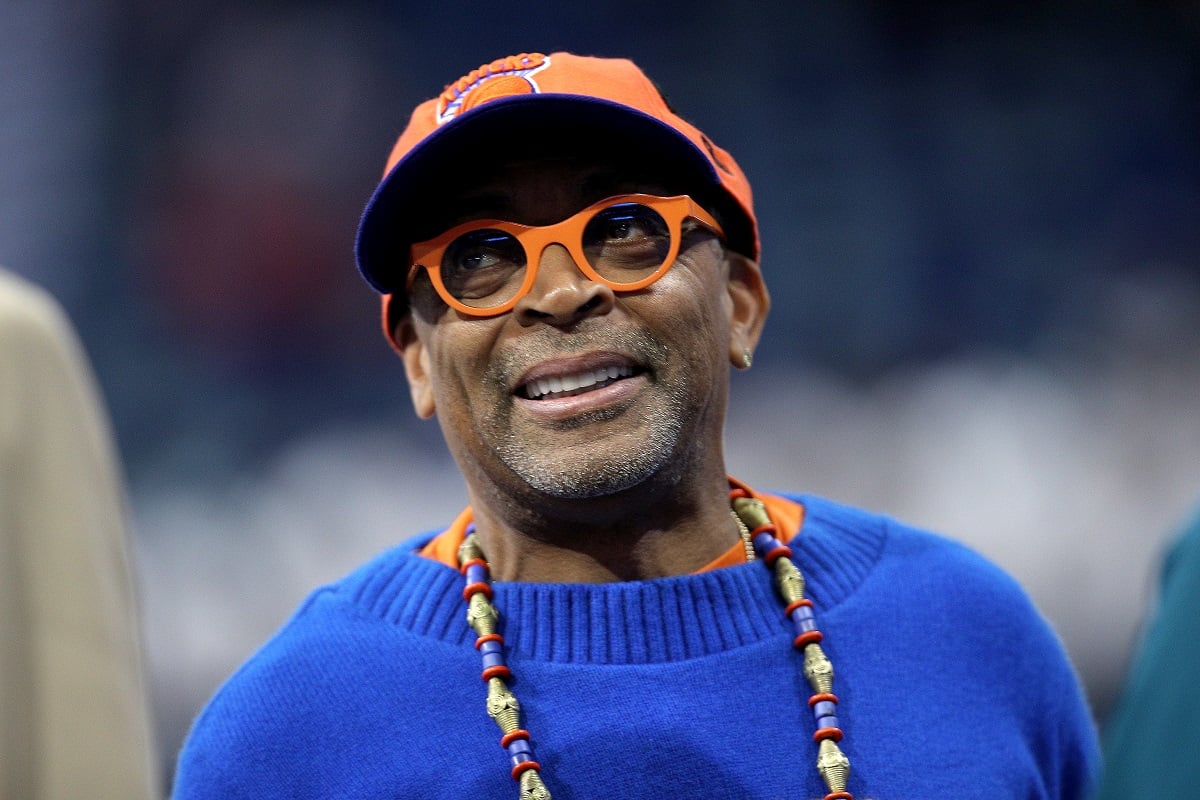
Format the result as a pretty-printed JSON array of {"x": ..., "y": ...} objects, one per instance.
[
  {"x": 454, "y": 353},
  {"x": 467, "y": 383},
  {"x": 698, "y": 309}
]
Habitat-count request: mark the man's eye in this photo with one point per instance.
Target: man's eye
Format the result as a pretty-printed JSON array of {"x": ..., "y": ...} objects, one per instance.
[
  {"x": 623, "y": 229},
  {"x": 628, "y": 222},
  {"x": 474, "y": 261},
  {"x": 482, "y": 250}
]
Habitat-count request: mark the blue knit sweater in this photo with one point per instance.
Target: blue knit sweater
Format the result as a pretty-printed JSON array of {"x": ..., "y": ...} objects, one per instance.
[{"x": 950, "y": 684}]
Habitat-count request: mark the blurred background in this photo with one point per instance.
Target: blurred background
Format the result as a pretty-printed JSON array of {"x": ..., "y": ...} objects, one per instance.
[{"x": 979, "y": 229}]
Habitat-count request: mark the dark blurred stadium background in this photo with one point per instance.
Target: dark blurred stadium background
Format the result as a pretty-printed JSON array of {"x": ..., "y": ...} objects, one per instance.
[{"x": 979, "y": 228}]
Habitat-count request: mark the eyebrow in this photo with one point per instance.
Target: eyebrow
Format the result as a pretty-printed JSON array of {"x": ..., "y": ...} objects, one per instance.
[{"x": 599, "y": 184}]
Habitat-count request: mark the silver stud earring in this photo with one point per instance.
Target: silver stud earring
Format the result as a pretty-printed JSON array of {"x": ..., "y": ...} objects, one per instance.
[{"x": 747, "y": 359}]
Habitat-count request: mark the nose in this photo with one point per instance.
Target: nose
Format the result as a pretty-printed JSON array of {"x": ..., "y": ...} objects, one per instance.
[{"x": 561, "y": 294}]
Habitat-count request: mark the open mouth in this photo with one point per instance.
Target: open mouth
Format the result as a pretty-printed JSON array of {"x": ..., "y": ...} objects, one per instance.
[{"x": 555, "y": 386}]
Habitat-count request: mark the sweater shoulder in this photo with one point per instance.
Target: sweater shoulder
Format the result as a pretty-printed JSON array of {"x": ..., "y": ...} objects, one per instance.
[
  {"x": 936, "y": 584},
  {"x": 975, "y": 619},
  {"x": 876, "y": 564},
  {"x": 844, "y": 550},
  {"x": 314, "y": 673},
  {"x": 378, "y": 591},
  {"x": 835, "y": 533}
]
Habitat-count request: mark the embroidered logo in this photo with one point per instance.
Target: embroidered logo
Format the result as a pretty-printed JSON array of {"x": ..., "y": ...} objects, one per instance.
[{"x": 503, "y": 77}]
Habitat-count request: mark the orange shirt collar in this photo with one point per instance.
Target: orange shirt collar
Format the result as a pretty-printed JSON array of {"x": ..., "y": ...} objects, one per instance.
[{"x": 787, "y": 515}]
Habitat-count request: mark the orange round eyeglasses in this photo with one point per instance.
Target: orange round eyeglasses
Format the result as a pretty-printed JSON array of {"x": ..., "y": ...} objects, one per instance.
[{"x": 484, "y": 267}]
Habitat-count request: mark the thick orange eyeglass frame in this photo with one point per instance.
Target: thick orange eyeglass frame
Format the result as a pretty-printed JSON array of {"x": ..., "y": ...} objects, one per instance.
[{"x": 428, "y": 255}]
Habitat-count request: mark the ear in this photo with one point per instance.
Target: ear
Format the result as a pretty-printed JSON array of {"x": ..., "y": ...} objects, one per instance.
[
  {"x": 748, "y": 305},
  {"x": 416, "y": 366}
]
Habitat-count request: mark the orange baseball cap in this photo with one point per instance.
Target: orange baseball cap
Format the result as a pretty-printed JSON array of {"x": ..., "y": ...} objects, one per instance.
[{"x": 531, "y": 92}]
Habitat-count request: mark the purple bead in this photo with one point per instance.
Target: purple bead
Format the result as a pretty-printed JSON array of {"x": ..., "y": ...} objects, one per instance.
[
  {"x": 495, "y": 659},
  {"x": 477, "y": 573}
]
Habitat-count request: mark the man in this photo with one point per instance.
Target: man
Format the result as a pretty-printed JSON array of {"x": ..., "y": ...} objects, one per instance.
[
  {"x": 74, "y": 713},
  {"x": 568, "y": 270}
]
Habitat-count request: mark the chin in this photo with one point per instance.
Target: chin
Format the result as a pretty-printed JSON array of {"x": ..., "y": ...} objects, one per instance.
[{"x": 569, "y": 479}]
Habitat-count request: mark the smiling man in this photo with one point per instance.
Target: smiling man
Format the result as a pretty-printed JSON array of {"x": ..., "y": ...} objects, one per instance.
[{"x": 569, "y": 270}]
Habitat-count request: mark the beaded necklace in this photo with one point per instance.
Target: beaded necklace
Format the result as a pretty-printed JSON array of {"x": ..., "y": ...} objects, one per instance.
[{"x": 759, "y": 534}]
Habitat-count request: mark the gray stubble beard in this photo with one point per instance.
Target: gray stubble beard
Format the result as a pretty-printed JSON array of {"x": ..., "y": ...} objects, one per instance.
[{"x": 585, "y": 475}]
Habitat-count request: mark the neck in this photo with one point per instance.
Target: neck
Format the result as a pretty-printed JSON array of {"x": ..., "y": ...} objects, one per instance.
[{"x": 648, "y": 531}]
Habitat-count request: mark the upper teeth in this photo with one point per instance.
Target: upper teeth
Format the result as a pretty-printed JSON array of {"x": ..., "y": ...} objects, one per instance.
[{"x": 558, "y": 384}]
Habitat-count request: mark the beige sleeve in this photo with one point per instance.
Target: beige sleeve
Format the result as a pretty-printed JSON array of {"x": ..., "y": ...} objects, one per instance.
[{"x": 74, "y": 718}]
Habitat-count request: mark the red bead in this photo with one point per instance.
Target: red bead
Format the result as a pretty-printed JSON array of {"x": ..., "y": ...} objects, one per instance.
[
  {"x": 766, "y": 527},
  {"x": 488, "y": 637},
  {"x": 821, "y": 697},
  {"x": 528, "y": 765},
  {"x": 473, "y": 588},
  {"x": 735, "y": 493},
  {"x": 777, "y": 553},
  {"x": 792, "y": 606},
  {"x": 499, "y": 671},
  {"x": 509, "y": 738},
  {"x": 805, "y": 639},
  {"x": 828, "y": 733},
  {"x": 472, "y": 563},
  {"x": 839, "y": 796}
]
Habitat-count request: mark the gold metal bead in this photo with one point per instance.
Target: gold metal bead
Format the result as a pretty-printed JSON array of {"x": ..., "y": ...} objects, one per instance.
[
  {"x": 833, "y": 765},
  {"x": 469, "y": 549},
  {"x": 789, "y": 580},
  {"x": 532, "y": 787},
  {"x": 752, "y": 511},
  {"x": 818, "y": 669},
  {"x": 502, "y": 706},
  {"x": 482, "y": 616}
]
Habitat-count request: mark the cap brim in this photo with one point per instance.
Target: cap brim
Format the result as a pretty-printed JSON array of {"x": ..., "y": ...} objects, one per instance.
[{"x": 383, "y": 238}]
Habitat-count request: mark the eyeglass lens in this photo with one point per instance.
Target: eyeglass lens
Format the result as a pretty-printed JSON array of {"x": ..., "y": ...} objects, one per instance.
[{"x": 623, "y": 243}]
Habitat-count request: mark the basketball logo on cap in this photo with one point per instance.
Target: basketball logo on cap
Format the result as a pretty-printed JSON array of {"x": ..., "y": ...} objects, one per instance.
[{"x": 503, "y": 77}]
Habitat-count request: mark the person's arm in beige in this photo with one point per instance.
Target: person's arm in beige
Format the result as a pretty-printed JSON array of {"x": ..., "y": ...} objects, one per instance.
[{"x": 74, "y": 717}]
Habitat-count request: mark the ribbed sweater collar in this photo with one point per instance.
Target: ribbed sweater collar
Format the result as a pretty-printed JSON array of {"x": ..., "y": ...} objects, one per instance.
[{"x": 635, "y": 622}]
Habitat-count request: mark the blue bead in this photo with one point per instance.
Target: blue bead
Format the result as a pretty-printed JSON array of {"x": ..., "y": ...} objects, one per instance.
[
  {"x": 519, "y": 750},
  {"x": 804, "y": 619},
  {"x": 765, "y": 543},
  {"x": 827, "y": 721},
  {"x": 824, "y": 708},
  {"x": 493, "y": 660},
  {"x": 491, "y": 646},
  {"x": 477, "y": 573},
  {"x": 802, "y": 612}
]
